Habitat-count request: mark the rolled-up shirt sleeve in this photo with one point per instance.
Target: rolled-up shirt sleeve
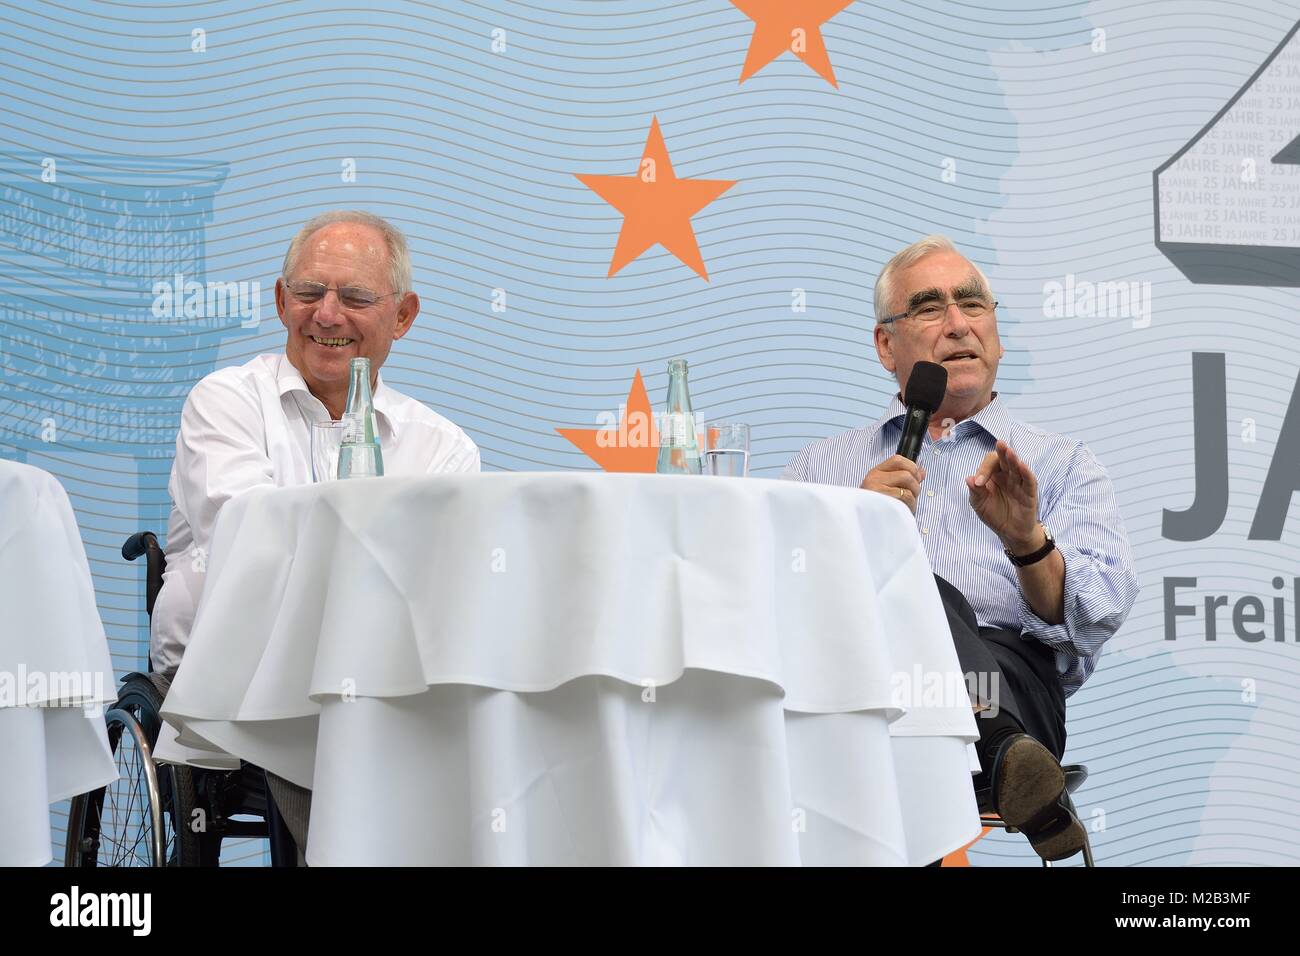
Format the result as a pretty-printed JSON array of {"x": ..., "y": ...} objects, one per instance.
[{"x": 1100, "y": 582}]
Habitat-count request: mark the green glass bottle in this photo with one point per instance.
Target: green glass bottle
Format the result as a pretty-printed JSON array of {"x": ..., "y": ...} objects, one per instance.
[
  {"x": 679, "y": 450},
  {"x": 360, "y": 455}
]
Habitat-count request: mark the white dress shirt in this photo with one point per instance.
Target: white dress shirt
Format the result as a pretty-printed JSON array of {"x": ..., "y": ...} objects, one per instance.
[{"x": 250, "y": 425}]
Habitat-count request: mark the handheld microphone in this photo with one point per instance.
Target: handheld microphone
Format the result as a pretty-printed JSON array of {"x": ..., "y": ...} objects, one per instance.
[{"x": 925, "y": 388}]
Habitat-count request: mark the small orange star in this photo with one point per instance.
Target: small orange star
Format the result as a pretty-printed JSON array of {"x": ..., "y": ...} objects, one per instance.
[
  {"x": 794, "y": 25},
  {"x": 657, "y": 206},
  {"x": 633, "y": 446}
]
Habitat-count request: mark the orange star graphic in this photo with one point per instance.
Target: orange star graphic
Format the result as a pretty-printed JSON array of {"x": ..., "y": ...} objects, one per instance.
[
  {"x": 657, "y": 206},
  {"x": 633, "y": 446},
  {"x": 781, "y": 25}
]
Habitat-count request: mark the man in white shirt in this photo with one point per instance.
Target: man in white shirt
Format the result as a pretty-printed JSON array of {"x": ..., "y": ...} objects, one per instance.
[{"x": 345, "y": 292}]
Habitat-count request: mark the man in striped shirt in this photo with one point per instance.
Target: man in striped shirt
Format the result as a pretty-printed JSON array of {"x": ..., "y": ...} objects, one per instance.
[{"x": 1020, "y": 525}]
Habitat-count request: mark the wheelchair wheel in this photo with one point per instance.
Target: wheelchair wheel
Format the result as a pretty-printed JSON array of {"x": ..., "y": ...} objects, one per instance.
[{"x": 141, "y": 819}]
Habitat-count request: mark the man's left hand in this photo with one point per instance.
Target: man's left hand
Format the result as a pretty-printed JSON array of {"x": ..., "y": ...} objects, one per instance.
[{"x": 1004, "y": 494}]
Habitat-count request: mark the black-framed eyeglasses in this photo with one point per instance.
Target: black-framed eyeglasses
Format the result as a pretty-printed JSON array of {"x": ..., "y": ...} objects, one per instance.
[
  {"x": 350, "y": 296},
  {"x": 927, "y": 313}
]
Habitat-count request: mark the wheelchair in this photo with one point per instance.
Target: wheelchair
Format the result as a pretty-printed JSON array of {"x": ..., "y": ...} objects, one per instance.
[{"x": 165, "y": 814}]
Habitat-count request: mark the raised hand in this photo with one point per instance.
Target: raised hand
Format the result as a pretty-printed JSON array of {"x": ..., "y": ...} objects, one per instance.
[{"x": 1004, "y": 494}]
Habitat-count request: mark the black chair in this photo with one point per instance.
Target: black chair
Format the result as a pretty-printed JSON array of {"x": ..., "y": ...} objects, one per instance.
[
  {"x": 165, "y": 814},
  {"x": 1075, "y": 775}
]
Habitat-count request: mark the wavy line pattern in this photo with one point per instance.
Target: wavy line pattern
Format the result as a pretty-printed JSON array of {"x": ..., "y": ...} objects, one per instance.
[{"x": 203, "y": 162}]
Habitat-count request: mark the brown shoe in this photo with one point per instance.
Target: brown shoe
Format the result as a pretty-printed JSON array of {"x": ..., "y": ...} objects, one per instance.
[{"x": 1028, "y": 788}]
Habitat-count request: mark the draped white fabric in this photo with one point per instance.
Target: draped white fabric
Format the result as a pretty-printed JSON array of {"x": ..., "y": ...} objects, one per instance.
[
  {"x": 55, "y": 671},
  {"x": 584, "y": 668}
]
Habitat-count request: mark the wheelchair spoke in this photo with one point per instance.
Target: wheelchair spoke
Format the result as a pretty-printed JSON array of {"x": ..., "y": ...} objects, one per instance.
[
  {"x": 141, "y": 804},
  {"x": 140, "y": 835},
  {"x": 120, "y": 814},
  {"x": 132, "y": 793},
  {"x": 125, "y": 822},
  {"x": 111, "y": 797}
]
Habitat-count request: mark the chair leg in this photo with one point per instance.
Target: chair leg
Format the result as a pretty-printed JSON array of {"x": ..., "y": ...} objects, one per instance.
[
  {"x": 1087, "y": 851},
  {"x": 997, "y": 823},
  {"x": 1087, "y": 843}
]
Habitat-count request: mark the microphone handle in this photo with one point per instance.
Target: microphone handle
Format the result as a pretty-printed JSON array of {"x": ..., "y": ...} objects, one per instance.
[{"x": 914, "y": 426}]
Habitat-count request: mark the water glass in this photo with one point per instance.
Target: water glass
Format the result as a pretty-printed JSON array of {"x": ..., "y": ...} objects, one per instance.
[
  {"x": 326, "y": 437},
  {"x": 726, "y": 451}
]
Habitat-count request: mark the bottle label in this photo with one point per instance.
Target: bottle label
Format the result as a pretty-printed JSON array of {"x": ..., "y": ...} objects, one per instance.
[
  {"x": 353, "y": 432},
  {"x": 677, "y": 428}
]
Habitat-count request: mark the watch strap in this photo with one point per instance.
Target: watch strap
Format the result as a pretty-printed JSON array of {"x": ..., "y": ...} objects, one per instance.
[{"x": 1036, "y": 556}]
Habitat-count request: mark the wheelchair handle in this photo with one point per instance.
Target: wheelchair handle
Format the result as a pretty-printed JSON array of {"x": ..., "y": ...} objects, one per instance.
[{"x": 138, "y": 544}]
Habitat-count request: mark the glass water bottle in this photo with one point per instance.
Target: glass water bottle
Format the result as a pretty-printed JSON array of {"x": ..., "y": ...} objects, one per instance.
[
  {"x": 359, "y": 454},
  {"x": 679, "y": 450}
]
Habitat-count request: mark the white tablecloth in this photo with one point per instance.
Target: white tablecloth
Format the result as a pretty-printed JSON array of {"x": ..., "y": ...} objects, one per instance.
[
  {"x": 55, "y": 671},
  {"x": 584, "y": 668}
]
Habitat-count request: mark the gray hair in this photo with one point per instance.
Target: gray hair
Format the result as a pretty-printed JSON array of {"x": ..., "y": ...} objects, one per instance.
[
  {"x": 884, "y": 293},
  {"x": 399, "y": 257}
]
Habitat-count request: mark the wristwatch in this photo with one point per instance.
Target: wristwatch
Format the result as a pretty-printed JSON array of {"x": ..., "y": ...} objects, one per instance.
[{"x": 1037, "y": 556}]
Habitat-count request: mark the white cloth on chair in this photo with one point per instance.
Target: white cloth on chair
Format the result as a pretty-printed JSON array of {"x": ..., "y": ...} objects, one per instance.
[{"x": 55, "y": 671}]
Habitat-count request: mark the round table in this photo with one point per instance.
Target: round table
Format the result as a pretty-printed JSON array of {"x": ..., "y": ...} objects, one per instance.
[
  {"x": 55, "y": 671},
  {"x": 563, "y": 668}
]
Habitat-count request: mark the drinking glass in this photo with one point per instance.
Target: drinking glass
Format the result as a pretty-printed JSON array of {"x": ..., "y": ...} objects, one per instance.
[
  {"x": 726, "y": 452},
  {"x": 326, "y": 437}
]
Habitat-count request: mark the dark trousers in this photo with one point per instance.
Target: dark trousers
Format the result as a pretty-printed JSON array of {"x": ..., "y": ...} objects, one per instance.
[{"x": 1020, "y": 673}]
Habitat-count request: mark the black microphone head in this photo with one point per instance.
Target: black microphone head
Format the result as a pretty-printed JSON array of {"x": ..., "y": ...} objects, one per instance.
[{"x": 925, "y": 386}]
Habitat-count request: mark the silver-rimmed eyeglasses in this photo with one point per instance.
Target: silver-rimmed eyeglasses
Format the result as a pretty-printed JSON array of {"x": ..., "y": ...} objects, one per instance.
[
  {"x": 927, "y": 313},
  {"x": 350, "y": 296}
]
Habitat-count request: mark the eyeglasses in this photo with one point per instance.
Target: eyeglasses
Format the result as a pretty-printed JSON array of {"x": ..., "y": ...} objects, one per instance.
[
  {"x": 350, "y": 296},
  {"x": 928, "y": 313}
]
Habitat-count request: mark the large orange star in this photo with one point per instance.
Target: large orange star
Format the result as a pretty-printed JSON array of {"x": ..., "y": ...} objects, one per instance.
[
  {"x": 633, "y": 446},
  {"x": 794, "y": 25},
  {"x": 657, "y": 206}
]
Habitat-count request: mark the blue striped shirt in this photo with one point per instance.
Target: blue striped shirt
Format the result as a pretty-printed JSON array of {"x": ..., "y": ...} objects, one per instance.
[{"x": 1075, "y": 501}]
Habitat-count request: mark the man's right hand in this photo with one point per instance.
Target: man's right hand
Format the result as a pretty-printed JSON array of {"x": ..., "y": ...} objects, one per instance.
[{"x": 897, "y": 477}]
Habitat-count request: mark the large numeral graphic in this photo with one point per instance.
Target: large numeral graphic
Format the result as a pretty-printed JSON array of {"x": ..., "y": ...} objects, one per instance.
[{"x": 1227, "y": 205}]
